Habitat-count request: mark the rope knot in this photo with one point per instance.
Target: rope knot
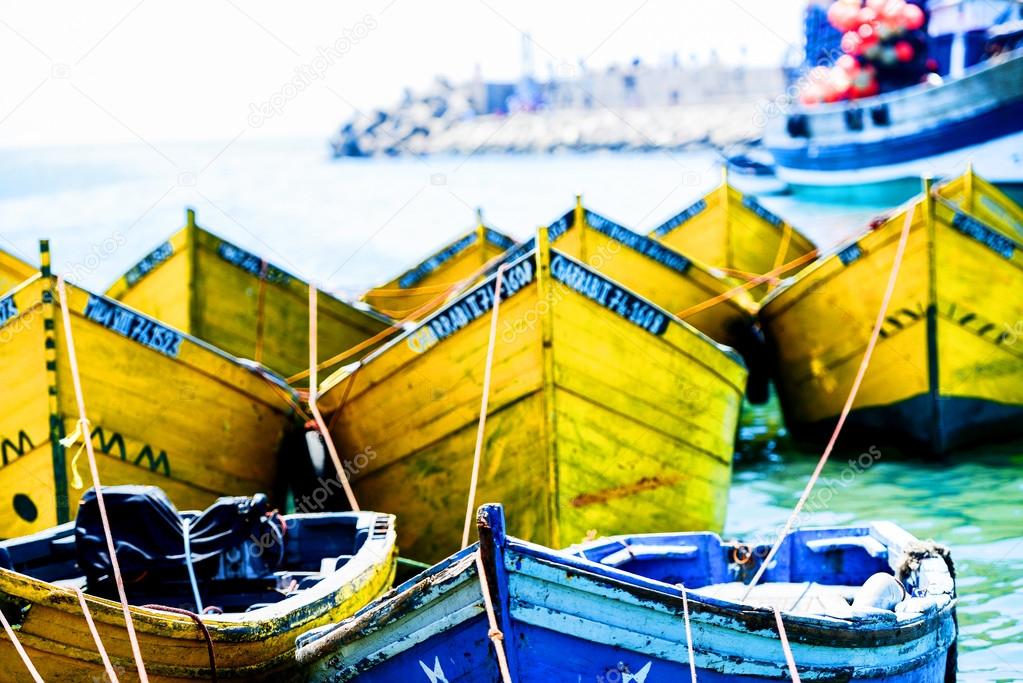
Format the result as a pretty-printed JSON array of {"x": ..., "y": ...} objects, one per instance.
[
  {"x": 495, "y": 634},
  {"x": 83, "y": 431}
]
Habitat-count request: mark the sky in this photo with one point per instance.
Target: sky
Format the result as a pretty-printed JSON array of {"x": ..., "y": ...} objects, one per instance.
[{"x": 159, "y": 70}]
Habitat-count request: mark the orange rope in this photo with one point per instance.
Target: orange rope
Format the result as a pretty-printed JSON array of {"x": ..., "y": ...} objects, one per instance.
[
  {"x": 474, "y": 479},
  {"x": 689, "y": 633},
  {"x": 95, "y": 635},
  {"x": 83, "y": 423},
  {"x": 495, "y": 635},
  {"x": 725, "y": 296},
  {"x": 320, "y": 425},
  {"x": 21, "y": 651},
  {"x": 789, "y": 659},
  {"x": 783, "y": 247},
  {"x": 874, "y": 335},
  {"x": 398, "y": 324}
]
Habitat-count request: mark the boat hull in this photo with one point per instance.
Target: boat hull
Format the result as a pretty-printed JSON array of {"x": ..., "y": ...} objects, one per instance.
[
  {"x": 733, "y": 231},
  {"x": 947, "y": 370},
  {"x": 424, "y": 288},
  {"x": 564, "y": 619},
  {"x": 598, "y": 412},
  {"x": 237, "y": 301},
  {"x": 252, "y": 646},
  {"x": 919, "y": 131},
  {"x": 165, "y": 409}
]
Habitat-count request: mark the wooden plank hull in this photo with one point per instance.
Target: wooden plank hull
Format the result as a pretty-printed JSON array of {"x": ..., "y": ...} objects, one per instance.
[
  {"x": 566, "y": 619},
  {"x": 252, "y": 646},
  {"x": 729, "y": 230},
  {"x": 237, "y": 301},
  {"x": 165, "y": 409},
  {"x": 946, "y": 371},
  {"x": 13, "y": 271},
  {"x": 413, "y": 291},
  {"x": 601, "y": 404}
]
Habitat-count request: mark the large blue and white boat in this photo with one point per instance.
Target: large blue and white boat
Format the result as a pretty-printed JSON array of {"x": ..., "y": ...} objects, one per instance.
[
  {"x": 864, "y": 603},
  {"x": 877, "y": 146}
]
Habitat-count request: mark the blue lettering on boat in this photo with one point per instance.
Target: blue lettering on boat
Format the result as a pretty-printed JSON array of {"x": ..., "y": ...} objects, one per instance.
[
  {"x": 639, "y": 243},
  {"x": 498, "y": 240},
  {"x": 134, "y": 326},
  {"x": 609, "y": 295},
  {"x": 149, "y": 263},
  {"x": 8, "y": 309},
  {"x": 471, "y": 306},
  {"x": 850, "y": 254},
  {"x": 757, "y": 208},
  {"x": 436, "y": 261},
  {"x": 247, "y": 261},
  {"x": 976, "y": 230},
  {"x": 560, "y": 226},
  {"x": 684, "y": 216}
]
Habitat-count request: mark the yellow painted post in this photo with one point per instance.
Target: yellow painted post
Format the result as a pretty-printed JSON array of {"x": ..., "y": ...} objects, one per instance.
[
  {"x": 545, "y": 302},
  {"x": 60, "y": 483},
  {"x": 579, "y": 220},
  {"x": 191, "y": 290},
  {"x": 481, "y": 237}
]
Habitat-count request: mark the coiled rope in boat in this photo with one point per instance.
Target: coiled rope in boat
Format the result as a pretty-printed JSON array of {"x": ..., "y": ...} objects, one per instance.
[
  {"x": 83, "y": 425},
  {"x": 484, "y": 402}
]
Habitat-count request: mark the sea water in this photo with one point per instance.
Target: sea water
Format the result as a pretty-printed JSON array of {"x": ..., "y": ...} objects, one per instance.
[{"x": 354, "y": 223}]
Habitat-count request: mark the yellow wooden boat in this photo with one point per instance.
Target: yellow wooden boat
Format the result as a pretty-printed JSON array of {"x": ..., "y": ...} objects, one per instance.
[
  {"x": 13, "y": 271},
  {"x": 270, "y": 577},
  {"x": 237, "y": 301},
  {"x": 948, "y": 368},
  {"x": 606, "y": 412},
  {"x": 435, "y": 277},
  {"x": 166, "y": 409},
  {"x": 732, "y": 231},
  {"x": 661, "y": 274}
]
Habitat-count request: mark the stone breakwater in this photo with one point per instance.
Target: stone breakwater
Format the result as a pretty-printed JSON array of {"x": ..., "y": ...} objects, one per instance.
[{"x": 570, "y": 130}]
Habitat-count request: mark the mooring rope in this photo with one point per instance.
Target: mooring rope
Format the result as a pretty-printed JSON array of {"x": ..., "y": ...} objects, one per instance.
[
  {"x": 874, "y": 335},
  {"x": 400, "y": 323},
  {"x": 21, "y": 651},
  {"x": 484, "y": 403},
  {"x": 315, "y": 410},
  {"x": 95, "y": 635},
  {"x": 203, "y": 629},
  {"x": 789, "y": 659},
  {"x": 759, "y": 279},
  {"x": 689, "y": 632},
  {"x": 495, "y": 634},
  {"x": 783, "y": 248},
  {"x": 83, "y": 422}
]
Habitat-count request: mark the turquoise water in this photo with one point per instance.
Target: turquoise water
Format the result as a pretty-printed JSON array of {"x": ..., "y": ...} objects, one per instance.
[{"x": 352, "y": 224}]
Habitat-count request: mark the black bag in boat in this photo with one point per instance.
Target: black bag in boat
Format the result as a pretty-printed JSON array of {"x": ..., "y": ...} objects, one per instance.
[{"x": 149, "y": 534}]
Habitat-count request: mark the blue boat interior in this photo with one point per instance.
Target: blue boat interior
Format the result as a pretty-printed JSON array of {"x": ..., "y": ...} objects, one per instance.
[{"x": 244, "y": 556}]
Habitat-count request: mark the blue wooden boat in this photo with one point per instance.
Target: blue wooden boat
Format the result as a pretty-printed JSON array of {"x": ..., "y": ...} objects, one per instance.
[{"x": 612, "y": 610}]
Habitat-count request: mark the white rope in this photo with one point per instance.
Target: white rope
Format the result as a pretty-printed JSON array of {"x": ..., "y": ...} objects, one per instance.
[
  {"x": 97, "y": 486},
  {"x": 785, "y": 647},
  {"x": 689, "y": 632},
  {"x": 187, "y": 523},
  {"x": 874, "y": 334},
  {"x": 21, "y": 651},
  {"x": 95, "y": 636},
  {"x": 484, "y": 403},
  {"x": 315, "y": 410},
  {"x": 495, "y": 635}
]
